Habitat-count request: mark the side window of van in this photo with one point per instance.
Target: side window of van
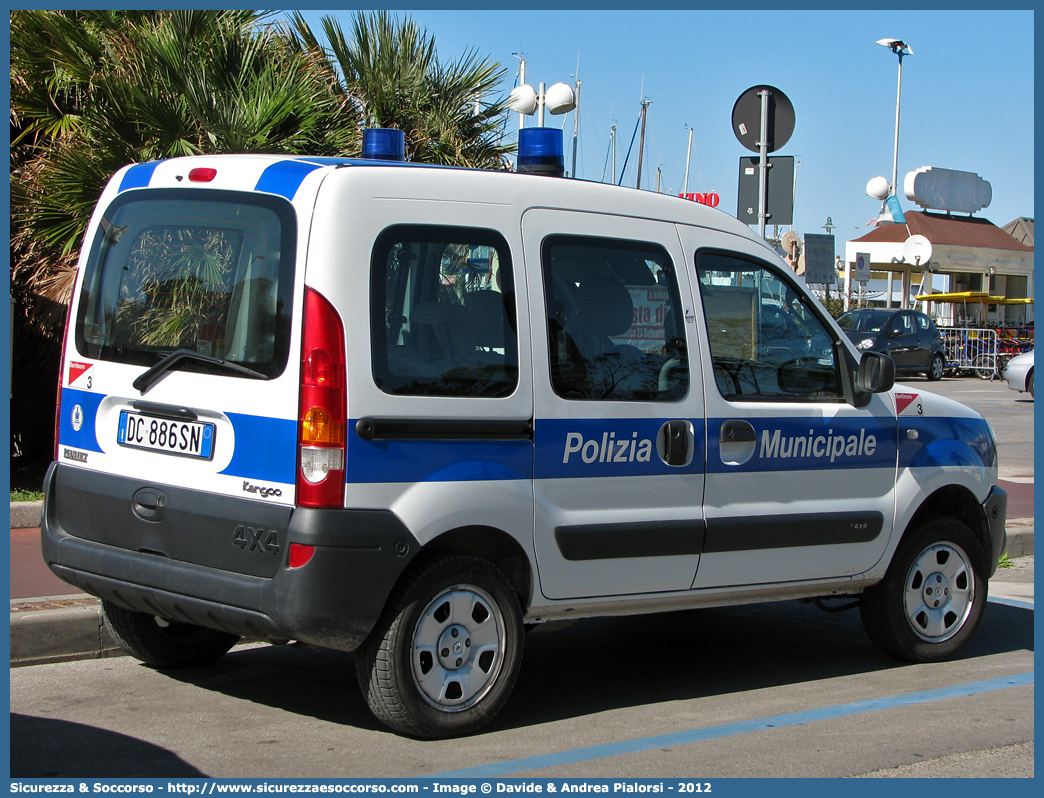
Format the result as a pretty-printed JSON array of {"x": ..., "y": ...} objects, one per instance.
[
  {"x": 614, "y": 322},
  {"x": 765, "y": 341},
  {"x": 442, "y": 309}
]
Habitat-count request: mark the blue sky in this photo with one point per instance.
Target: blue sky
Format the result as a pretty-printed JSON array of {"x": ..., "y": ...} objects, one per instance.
[{"x": 967, "y": 94}]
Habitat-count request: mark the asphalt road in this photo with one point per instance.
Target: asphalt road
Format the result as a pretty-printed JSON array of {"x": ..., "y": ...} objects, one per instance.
[
  {"x": 778, "y": 690},
  {"x": 774, "y": 690}
]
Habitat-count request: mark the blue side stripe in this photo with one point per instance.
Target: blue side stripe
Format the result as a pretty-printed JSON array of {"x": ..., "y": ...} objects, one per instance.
[
  {"x": 946, "y": 441},
  {"x": 437, "y": 461},
  {"x": 728, "y": 730},
  {"x": 266, "y": 448},
  {"x": 284, "y": 177},
  {"x": 810, "y": 444},
  {"x": 139, "y": 175}
]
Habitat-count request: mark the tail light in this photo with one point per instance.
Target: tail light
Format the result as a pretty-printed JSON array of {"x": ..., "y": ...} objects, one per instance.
[
  {"x": 322, "y": 422},
  {"x": 61, "y": 375}
]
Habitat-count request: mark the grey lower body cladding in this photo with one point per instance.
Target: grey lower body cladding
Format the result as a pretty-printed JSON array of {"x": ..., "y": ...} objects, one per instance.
[
  {"x": 675, "y": 538},
  {"x": 221, "y": 562}
]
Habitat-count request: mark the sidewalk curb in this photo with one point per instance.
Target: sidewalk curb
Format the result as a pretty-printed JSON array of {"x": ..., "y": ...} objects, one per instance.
[
  {"x": 26, "y": 515},
  {"x": 60, "y": 630},
  {"x": 39, "y": 636},
  {"x": 1020, "y": 541}
]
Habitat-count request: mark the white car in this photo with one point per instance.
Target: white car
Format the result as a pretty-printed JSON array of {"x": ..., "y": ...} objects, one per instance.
[{"x": 1019, "y": 373}]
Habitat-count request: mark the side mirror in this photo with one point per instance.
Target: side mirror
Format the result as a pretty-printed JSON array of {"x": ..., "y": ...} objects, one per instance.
[{"x": 876, "y": 373}]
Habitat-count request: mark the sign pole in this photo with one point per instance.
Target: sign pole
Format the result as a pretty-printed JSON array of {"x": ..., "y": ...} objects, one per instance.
[{"x": 763, "y": 163}]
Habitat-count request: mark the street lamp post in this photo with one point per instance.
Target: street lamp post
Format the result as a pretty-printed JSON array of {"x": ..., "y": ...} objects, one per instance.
[{"x": 900, "y": 48}]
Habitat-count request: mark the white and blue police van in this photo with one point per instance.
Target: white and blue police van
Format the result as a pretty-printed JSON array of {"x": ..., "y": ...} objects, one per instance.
[{"x": 413, "y": 411}]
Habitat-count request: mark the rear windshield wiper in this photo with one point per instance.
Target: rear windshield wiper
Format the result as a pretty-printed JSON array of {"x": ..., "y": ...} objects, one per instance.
[{"x": 155, "y": 374}]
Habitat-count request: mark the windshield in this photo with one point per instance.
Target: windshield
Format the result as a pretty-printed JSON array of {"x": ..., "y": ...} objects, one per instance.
[
  {"x": 864, "y": 321},
  {"x": 208, "y": 271}
]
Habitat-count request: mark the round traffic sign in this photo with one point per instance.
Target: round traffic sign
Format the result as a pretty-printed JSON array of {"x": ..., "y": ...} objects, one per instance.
[{"x": 746, "y": 118}]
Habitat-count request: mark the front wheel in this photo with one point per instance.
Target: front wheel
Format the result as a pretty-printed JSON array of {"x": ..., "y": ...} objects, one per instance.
[
  {"x": 936, "y": 368},
  {"x": 162, "y": 643},
  {"x": 933, "y": 596},
  {"x": 445, "y": 655}
]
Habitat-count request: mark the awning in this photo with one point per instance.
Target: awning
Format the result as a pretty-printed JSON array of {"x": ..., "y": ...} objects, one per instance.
[{"x": 969, "y": 297}]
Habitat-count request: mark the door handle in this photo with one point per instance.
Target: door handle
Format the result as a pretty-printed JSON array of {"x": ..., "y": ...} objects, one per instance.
[
  {"x": 674, "y": 443},
  {"x": 737, "y": 431}
]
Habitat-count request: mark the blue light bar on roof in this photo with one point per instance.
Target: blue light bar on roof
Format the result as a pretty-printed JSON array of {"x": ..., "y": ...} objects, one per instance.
[
  {"x": 540, "y": 151},
  {"x": 384, "y": 144}
]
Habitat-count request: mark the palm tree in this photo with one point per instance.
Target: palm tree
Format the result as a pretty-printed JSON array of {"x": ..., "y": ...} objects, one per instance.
[
  {"x": 94, "y": 90},
  {"x": 391, "y": 72}
]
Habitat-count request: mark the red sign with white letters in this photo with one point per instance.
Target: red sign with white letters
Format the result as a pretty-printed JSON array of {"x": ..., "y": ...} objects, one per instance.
[{"x": 78, "y": 370}]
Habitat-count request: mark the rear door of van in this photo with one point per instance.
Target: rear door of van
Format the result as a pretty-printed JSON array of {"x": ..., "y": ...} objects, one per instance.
[
  {"x": 619, "y": 465},
  {"x": 429, "y": 280},
  {"x": 180, "y": 378}
]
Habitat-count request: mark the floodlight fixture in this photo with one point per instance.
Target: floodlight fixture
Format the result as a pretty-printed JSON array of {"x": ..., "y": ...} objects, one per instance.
[
  {"x": 559, "y": 99},
  {"x": 897, "y": 46}
]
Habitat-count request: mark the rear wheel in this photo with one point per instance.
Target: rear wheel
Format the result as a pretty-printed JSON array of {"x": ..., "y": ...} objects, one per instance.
[
  {"x": 933, "y": 596},
  {"x": 936, "y": 368},
  {"x": 162, "y": 643},
  {"x": 1029, "y": 385},
  {"x": 445, "y": 655}
]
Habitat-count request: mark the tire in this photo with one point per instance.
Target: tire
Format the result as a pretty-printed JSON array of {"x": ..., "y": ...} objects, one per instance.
[
  {"x": 1029, "y": 385},
  {"x": 446, "y": 652},
  {"x": 164, "y": 644},
  {"x": 936, "y": 368},
  {"x": 984, "y": 369},
  {"x": 905, "y": 616}
]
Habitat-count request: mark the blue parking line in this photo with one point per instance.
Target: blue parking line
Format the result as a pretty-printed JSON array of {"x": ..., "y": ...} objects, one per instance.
[
  {"x": 714, "y": 732},
  {"x": 1022, "y": 605}
]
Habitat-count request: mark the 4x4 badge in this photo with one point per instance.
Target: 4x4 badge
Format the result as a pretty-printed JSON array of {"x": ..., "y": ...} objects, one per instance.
[{"x": 248, "y": 538}]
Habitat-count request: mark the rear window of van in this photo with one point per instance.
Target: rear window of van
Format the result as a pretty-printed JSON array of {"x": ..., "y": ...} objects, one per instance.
[{"x": 208, "y": 271}]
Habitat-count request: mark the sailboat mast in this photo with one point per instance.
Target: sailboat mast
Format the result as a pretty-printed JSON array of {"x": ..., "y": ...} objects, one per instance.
[
  {"x": 641, "y": 143},
  {"x": 576, "y": 126}
]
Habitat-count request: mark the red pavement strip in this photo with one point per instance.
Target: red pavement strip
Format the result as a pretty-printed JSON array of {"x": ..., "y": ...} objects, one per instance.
[{"x": 31, "y": 578}]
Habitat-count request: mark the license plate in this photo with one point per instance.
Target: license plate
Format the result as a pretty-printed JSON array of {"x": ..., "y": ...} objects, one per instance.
[{"x": 186, "y": 438}]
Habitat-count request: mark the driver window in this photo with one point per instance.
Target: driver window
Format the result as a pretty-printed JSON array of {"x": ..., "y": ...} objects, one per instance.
[{"x": 765, "y": 340}]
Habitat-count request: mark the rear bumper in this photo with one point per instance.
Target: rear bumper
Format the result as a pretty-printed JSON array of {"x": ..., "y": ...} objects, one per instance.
[{"x": 205, "y": 564}]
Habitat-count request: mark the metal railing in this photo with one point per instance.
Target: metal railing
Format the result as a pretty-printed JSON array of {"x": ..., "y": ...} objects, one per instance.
[{"x": 972, "y": 350}]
